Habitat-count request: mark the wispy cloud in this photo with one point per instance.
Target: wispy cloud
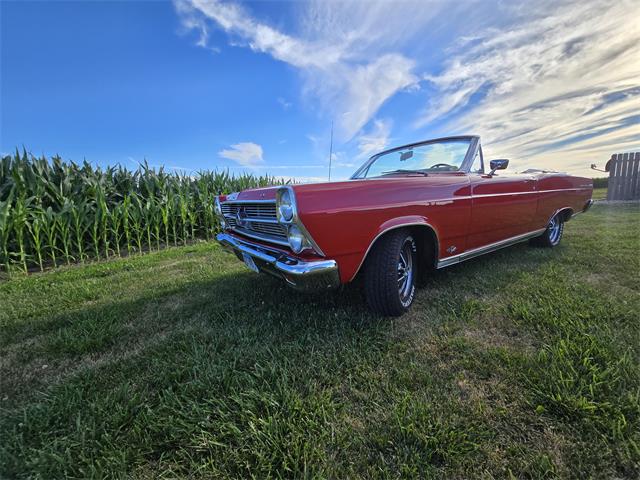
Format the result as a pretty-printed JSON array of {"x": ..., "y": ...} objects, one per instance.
[
  {"x": 558, "y": 88},
  {"x": 376, "y": 139},
  {"x": 247, "y": 154},
  {"x": 554, "y": 83},
  {"x": 285, "y": 104},
  {"x": 347, "y": 66}
]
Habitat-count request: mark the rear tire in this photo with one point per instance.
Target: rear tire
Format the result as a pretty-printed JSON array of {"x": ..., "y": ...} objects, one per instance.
[
  {"x": 390, "y": 274},
  {"x": 552, "y": 235}
]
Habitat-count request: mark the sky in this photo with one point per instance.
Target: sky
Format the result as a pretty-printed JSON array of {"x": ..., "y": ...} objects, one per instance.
[{"x": 256, "y": 86}]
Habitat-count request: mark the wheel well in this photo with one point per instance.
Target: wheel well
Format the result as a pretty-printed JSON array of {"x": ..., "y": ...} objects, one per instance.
[
  {"x": 565, "y": 214},
  {"x": 426, "y": 241}
]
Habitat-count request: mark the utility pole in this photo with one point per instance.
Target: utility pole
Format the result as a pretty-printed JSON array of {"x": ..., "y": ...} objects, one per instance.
[{"x": 331, "y": 150}]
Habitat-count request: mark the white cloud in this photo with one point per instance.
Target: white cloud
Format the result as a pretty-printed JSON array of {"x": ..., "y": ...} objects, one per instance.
[
  {"x": 559, "y": 87},
  {"x": 553, "y": 83},
  {"x": 376, "y": 139},
  {"x": 349, "y": 67},
  {"x": 247, "y": 154},
  {"x": 286, "y": 105}
]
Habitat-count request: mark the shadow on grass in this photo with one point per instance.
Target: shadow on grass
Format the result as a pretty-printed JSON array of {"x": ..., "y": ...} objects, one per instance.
[
  {"x": 236, "y": 374},
  {"x": 49, "y": 350}
]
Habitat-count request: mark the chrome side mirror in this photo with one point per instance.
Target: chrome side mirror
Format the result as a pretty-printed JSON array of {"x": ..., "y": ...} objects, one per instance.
[{"x": 499, "y": 164}]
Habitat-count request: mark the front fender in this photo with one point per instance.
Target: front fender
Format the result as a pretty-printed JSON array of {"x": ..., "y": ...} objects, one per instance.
[{"x": 350, "y": 265}]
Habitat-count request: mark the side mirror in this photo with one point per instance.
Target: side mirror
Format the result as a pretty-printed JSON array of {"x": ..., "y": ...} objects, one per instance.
[{"x": 499, "y": 164}]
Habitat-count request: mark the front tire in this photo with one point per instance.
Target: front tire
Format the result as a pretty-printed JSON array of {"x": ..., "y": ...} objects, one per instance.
[
  {"x": 390, "y": 274},
  {"x": 552, "y": 235}
]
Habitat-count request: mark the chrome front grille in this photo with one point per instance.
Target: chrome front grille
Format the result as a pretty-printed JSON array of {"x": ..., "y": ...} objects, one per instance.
[
  {"x": 253, "y": 210},
  {"x": 255, "y": 219}
]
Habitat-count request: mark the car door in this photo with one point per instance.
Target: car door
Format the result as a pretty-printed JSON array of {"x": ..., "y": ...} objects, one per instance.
[{"x": 502, "y": 205}]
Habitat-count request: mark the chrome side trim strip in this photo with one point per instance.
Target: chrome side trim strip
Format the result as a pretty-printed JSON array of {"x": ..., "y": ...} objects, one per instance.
[
  {"x": 488, "y": 248},
  {"x": 483, "y": 195}
]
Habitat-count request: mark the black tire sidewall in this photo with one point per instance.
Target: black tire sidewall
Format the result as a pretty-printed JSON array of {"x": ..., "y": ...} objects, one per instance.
[{"x": 381, "y": 274}]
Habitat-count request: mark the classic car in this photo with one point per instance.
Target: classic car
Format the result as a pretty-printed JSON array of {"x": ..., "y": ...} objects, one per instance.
[{"x": 406, "y": 211}]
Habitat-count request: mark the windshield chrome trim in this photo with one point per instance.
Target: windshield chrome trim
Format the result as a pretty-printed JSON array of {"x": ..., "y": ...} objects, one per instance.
[{"x": 474, "y": 143}]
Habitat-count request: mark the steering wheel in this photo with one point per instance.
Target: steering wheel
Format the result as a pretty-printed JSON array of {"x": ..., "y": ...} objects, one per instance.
[{"x": 440, "y": 166}]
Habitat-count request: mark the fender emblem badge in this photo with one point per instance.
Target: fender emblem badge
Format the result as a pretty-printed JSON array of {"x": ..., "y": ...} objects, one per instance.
[{"x": 452, "y": 249}]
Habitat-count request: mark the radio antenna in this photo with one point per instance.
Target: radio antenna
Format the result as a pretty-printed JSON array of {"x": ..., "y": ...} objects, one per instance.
[{"x": 331, "y": 150}]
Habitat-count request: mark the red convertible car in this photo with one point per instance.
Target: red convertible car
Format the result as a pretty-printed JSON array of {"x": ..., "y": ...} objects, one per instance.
[{"x": 407, "y": 210}]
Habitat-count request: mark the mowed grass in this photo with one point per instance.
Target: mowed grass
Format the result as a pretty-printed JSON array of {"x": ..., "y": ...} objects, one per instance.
[
  {"x": 182, "y": 363},
  {"x": 600, "y": 193}
]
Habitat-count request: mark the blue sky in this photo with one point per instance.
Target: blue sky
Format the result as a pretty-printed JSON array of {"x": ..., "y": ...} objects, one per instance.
[{"x": 203, "y": 84}]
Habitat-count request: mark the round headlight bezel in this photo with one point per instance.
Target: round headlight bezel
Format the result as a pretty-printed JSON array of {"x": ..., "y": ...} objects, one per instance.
[{"x": 285, "y": 206}]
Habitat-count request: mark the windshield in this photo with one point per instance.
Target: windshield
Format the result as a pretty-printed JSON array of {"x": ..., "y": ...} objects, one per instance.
[{"x": 435, "y": 157}]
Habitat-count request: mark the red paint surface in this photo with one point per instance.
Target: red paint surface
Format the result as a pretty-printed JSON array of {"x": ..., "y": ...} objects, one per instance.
[{"x": 466, "y": 211}]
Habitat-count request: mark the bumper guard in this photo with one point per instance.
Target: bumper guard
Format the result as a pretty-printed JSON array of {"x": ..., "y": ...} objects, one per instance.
[{"x": 299, "y": 274}]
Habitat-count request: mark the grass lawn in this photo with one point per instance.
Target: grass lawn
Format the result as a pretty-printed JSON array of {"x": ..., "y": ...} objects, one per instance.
[
  {"x": 523, "y": 363},
  {"x": 600, "y": 193}
]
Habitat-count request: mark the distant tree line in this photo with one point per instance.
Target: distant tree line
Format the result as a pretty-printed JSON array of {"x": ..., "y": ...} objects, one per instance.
[{"x": 602, "y": 182}]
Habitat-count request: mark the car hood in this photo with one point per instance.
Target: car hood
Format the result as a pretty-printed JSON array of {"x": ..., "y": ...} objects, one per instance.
[{"x": 341, "y": 187}]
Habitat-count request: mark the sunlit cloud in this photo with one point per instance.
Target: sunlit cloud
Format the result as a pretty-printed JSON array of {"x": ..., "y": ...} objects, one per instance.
[
  {"x": 559, "y": 88},
  {"x": 345, "y": 71},
  {"x": 247, "y": 154},
  {"x": 553, "y": 84},
  {"x": 376, "y": 139}
]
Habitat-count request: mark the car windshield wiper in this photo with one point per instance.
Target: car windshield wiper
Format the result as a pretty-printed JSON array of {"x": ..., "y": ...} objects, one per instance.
[{"x": 419, "y": 172}]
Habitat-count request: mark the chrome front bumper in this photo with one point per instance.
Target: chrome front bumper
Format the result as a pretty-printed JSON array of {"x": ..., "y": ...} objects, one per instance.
[{"x": 297, "y": 273}]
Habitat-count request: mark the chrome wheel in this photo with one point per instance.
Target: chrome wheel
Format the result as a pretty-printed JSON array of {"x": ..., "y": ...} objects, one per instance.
[
  {"x": 555, "y": 230},
  {"x": 405, "y": 272}
]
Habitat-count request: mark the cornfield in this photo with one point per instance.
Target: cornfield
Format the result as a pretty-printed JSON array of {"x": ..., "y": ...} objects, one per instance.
[{"x": 56, "y": 212}]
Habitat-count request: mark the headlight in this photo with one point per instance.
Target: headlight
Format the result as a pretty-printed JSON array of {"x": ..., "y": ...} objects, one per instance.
[
  {"x": 296, "y": 239},
  {"x": 285, "y": 205}
]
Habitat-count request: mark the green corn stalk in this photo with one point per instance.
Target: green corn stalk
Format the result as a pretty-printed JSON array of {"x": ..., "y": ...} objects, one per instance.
[
  {"x": 35, "y": 226},
  {"x": 116, "y": 226},
  {"x": 148, "y": 219},
  {"x": 165, "y": 211},
  {"x": 157, "y": 222},
  {"x": 5, "y": 228},
  {"x": 126, "y": 213},
  {"x": 50, "y": 228},
  {"x": 80, "y": 225},
  {"x": 104, "y": 224},
  {"x": 95, "y": 231},
  {"x": 19, "y": 222},
  {"x": 63, "y": 219},
  {"x": 89, "y": 209},
  {"x": 184, "y": 217},
  {"x": 173, "y": 218},
  {"x": 137, "y": 216}
]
